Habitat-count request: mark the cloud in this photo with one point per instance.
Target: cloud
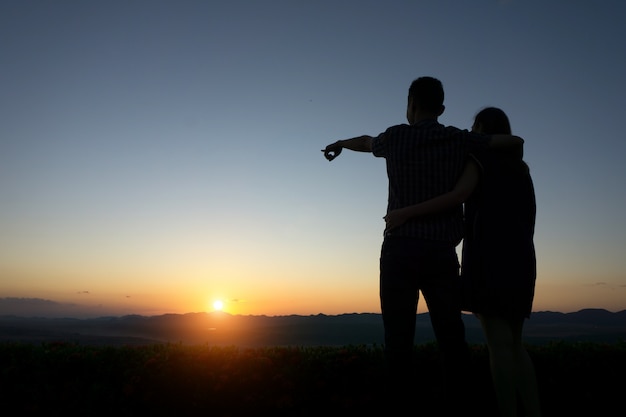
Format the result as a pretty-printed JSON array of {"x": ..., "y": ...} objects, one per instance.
[
  {"x": 39, "y": 307},
  {"x": 29, "y": 306},
  {"x": 607, "y": 285},
  {"x": 21, "y": 302}
]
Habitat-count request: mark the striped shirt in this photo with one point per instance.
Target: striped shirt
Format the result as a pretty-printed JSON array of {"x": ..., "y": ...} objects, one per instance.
[{"x": 425, "y": 160}]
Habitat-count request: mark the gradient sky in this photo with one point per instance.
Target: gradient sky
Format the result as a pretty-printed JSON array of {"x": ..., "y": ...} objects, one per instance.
[{"x": 158, "y": 155}]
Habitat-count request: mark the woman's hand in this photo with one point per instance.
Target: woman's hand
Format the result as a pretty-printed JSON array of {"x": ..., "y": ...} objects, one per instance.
[{"x": 396, "y": 218}]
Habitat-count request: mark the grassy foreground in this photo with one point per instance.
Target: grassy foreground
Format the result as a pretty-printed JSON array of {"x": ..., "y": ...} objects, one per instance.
[{"x": 575, "y": 379}]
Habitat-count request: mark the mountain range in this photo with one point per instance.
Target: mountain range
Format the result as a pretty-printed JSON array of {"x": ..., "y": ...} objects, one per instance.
[{"x": 222, "y": 329}]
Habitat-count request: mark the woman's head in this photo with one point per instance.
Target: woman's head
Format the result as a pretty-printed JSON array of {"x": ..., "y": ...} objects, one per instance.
[{"x": 491, "y": 121}]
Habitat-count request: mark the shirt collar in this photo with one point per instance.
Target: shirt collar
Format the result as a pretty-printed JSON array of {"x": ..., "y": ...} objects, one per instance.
[{"x": 425, "y": 122}]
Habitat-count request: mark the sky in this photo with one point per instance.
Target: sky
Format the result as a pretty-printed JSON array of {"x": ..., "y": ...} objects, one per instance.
[{"x": 156, "y": 156}]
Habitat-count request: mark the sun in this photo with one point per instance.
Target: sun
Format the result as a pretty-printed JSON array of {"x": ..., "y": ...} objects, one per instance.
[{"x": 218, "y": 305}]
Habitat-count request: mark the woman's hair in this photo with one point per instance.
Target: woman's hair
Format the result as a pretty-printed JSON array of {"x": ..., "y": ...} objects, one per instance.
[{"x": 492, "y": 121}]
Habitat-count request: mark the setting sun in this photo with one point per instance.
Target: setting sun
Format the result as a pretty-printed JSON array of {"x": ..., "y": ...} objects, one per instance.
[{"x": 218, "y": 305}]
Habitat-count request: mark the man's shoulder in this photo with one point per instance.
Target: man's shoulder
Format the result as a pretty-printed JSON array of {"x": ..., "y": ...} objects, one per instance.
[
  {"x": 453, "y": 129},
  {"x": 427, "y": 128},
  {"x": 397, "y": 127}
]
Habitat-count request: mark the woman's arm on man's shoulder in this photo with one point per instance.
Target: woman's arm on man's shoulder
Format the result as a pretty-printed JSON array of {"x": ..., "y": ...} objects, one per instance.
[{"x": 500, "y": 141}]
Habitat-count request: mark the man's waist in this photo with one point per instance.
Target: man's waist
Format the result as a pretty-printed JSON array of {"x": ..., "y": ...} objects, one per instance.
[{"x": 450, "y": 233}]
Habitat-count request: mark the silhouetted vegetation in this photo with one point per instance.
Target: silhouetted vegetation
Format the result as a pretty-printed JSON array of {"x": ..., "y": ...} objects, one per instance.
[{"x": 576, "y": 379}]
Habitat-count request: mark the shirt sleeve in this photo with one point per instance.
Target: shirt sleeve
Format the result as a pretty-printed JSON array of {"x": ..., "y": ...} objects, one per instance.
[{"x": 379, "y": 144}]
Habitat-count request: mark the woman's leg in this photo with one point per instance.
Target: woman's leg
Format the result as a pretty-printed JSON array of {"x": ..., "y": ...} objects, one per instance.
[
  {"x": 512, "y": 370},
  {"x": 500, "y": 344},
  {"x": 525, "y": 377}
]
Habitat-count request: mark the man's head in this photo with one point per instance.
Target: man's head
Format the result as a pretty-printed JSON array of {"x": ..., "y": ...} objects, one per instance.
[{"x": 425, "y": 99}]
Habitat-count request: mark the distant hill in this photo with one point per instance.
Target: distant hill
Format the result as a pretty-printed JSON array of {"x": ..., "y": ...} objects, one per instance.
[{"x": 217, "y": 328}]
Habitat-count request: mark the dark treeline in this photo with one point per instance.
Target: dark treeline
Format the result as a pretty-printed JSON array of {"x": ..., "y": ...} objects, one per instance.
[{"x": 575, "y": 379}]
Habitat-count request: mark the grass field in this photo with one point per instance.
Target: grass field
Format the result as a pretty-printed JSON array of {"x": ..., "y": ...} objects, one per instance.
[{"x": 575, "y": 379}]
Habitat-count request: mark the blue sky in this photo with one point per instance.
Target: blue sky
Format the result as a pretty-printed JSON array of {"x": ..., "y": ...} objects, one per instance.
[{"x": 158, "y": 155}]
